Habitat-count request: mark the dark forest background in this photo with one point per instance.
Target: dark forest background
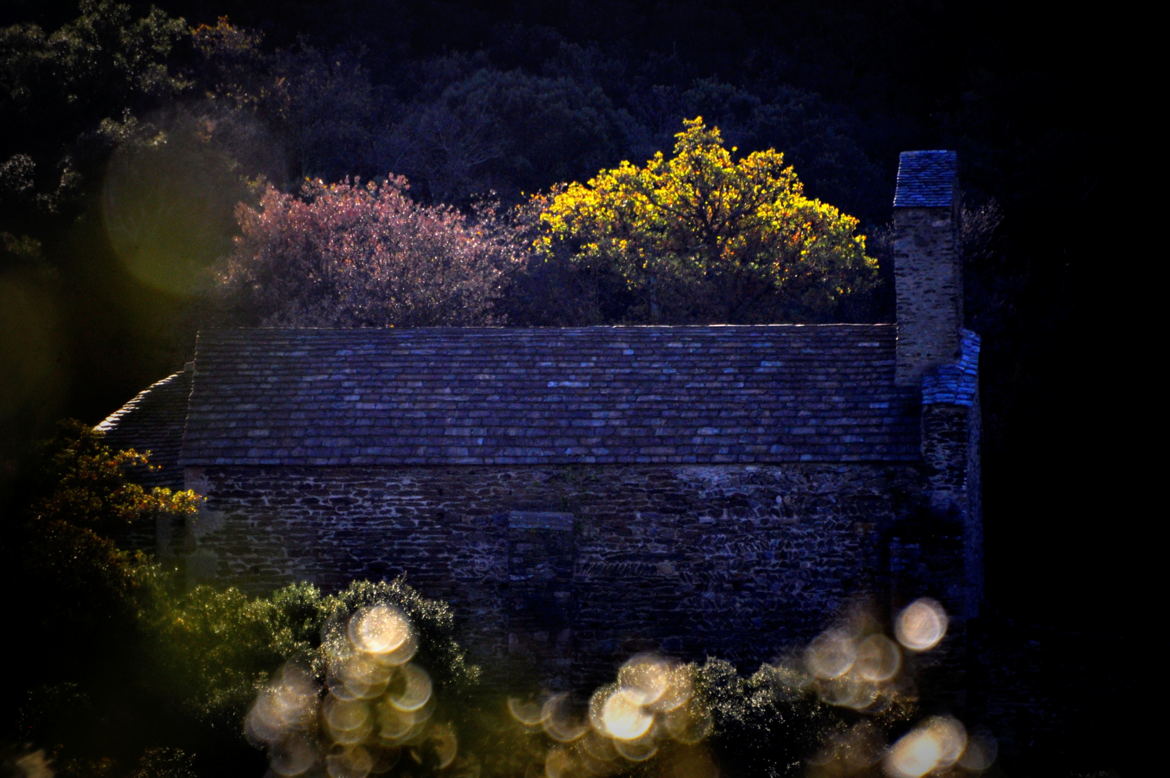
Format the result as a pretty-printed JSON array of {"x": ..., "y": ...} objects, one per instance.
[{"x": 182, "y": 108}]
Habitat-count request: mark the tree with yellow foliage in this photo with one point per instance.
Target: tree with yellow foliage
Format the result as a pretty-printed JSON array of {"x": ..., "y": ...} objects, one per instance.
[{"x": 704, "y": 237}]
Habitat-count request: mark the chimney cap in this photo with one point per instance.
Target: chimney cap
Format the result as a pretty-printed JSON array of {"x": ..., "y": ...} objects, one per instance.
[{"x": 926, "y": 179}]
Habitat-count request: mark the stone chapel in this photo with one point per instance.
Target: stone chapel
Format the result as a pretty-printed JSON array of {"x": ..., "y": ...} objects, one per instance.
[{"x": 579, "y": 494}]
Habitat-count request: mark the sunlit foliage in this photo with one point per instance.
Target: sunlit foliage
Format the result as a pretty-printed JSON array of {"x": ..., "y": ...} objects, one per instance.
[
  {"x": 81, "y": 501},
  {"x": 359, "y": 255},
  {"x": 86, "y": 483},
  {"x": 217, "y": 647},
  {"x": 121, "y": 665},
  {"x": 846, "y": 705},
  {"x": 76, "y": 596},
  {"x": 383, "y": 686},
  {"x": 704, "y": 237}
]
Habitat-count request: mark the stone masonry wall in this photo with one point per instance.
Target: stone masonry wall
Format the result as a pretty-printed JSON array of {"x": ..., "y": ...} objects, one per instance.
[
  {"x": 928, "y": 284},
  {"x": 593, "y": 564}
]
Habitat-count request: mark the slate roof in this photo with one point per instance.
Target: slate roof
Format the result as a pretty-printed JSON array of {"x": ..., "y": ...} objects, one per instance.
[
  {"x": 443, "y": 396},
  {"x": 153, "y": 422},
  {"x": 926, "y": 179}
]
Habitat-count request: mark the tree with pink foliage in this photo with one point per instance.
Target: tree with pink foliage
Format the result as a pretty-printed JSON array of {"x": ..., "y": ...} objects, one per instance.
[{"x": 350, "y": 254}]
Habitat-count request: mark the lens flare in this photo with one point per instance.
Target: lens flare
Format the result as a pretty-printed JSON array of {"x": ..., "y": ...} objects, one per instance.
[
  {"x": 952, "y": 736},
  {"x": 528, "y": 712},
  {"x": 980, "y": 753},
  {"x": 913, "y": 756},
  {"x": 598, "y": 747},
  {"x": 689, "y": 724},
  {"x": 559, "y": 724},
  {"x": 292, "y": 756},
  {"x": 396, "y": 727},
  {"x": 414, "y": 688},
  {"x": 287, "y": 704},
  {"x": 350, "y": 762},
  {"x": 378, "y": 629},
  {"x": 359, "y": 677},
  {"x": 679, "y": 690},
  {"x": 636, "y": 750},
  {"x": 831, "y": 654},
  {"x": 850, "y": 691},
  {"x": 444, "y": 744},
  {"x": 31, "y": 347},
  {"x": 921, "y": 625},
  {"x": 376, "y": 705},
  {"x": 591, "y": 765},
  {"x": 559, "y": 764},
  {"x": 647, "y": 674},
  {"x": 624, "y": 716},
  {"x": 348, "y": 721},
  {"x": 878, "y": 658},
  {"x": 935, "y": 745},
  {"x": 401, "y": 655},
  {"x": 166, "y": 206}
]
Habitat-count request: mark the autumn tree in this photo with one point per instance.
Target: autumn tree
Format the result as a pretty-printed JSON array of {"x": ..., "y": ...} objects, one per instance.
[
  {"x": 361, "y": 255},
  {"x": 81, "y": 499},
  {"x": 705, "y": 237}
]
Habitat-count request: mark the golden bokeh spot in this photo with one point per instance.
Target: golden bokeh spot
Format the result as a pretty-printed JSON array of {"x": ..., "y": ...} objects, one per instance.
[
  {"x": 292, "y": 756},
  {"x": 921, "y": 625},
  {"x": 413, "y": 689},
  {"x": 379, "y": 629},
  {"x": 444, "y": 744},
  {"x": 560, "y": 764},
  {"x": 528, "y": 712},
  {"x": 831, "y": 654},
  {"x": 348, "y": 721},
  {"x": 349, "y": 762},
  {"x": 287, "y": 704},
  {"x": 649, "y": 675},
  {"x": 933, "y": 746},
  {"x": 624, "y": 716},
  {"x": 558, "y": 721},
  {"x": 636, "y": 750},
  {"x": 878, "y": 658}
]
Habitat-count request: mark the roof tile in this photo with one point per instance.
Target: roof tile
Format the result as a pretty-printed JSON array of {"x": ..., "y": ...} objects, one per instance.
[{"x": 764, "y": 393}]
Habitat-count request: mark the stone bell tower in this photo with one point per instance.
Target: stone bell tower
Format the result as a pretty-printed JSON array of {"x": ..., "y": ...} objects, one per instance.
[{"x": 935, "y": 354}]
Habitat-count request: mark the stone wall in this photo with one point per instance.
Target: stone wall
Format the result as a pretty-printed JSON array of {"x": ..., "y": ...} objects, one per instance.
[
  {"x": 928, "y": 284},
  {"x": 572, "y": 568}
]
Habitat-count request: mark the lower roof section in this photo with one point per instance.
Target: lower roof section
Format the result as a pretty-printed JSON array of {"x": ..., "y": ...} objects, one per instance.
[{"x": 152, "y": 422}]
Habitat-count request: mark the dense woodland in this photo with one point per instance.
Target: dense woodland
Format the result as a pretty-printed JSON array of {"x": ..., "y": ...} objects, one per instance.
[{"x": 142, "y": 143}]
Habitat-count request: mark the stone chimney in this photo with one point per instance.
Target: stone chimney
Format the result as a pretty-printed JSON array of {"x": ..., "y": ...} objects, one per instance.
[{"x": 928, "y": 277}]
